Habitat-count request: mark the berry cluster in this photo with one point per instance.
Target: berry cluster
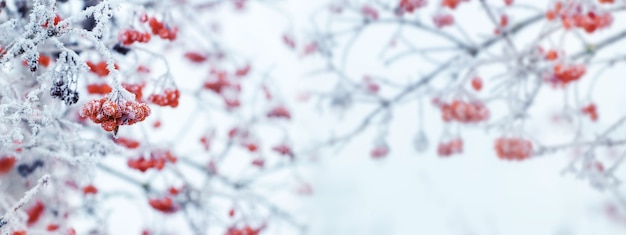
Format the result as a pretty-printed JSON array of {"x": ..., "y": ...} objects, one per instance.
[
  {"x": 110, "y": 115},
  {"x": 572, "y": 14},
  {"x": 127, "y": 142},
  {"x": 62, "y": 91},
  {"x": 221, "y": 82},
  {"x": 25, "y": 170},
  {"x": 379, "y": 151},
  {"x": 195, "y": 57},
  {"x": 100, "y": 68},
  {"x": 591, "y": 110},
  {"x": 477, "y": 83},
  {"x": 35, "y": 212},
  {"x": 449, "y": 148},
  {"x": 513, "y": 148},
  {"x": 90, "y": 189},
  {"x": 168, "y": 98},
  {"x": 246, "y": 230},
  {"x": 370, "y": 85},
  {"x": 99, "y": 89},
  {"x": 52, "y": 227},
  {"x": 568, "y": 73},
  {"x": 130, "y": 36},
  {"x": 158, "y": 28},
  {"x": 369, "y": 12},
  {"x": 165, "y": 205},
  {"x": 157, "y": 160},
  {"x": 136, "y": 89},
  {"x": 464, "y": 112},
  {"x": 283, "y": 149},
  {"x": 6, "y": 164},
  {"x": 452, "y": 4},
  {"x": 552, "y": 55},
  {"x": 443, "y": 19},
  {"x": 410, "y": 5},
  {"x": 258, "y": 162},
  {"x": 243, "y": 71},
  {"x": 279, "y": 112}
]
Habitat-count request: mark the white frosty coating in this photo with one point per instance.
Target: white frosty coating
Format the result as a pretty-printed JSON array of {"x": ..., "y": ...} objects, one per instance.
[{"x": 42, "y": 182}]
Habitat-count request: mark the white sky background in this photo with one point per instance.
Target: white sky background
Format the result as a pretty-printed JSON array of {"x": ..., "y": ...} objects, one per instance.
[{"x": 409, "y": 193}]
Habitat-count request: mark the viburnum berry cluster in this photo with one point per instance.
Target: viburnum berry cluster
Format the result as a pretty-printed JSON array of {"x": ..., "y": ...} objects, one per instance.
[
  {"x": 443, "y": 19},
  {"x": 99, "y": 89},
  {"x": 165, "y": 204},
  {"x": 157, "y": 160},
  {"x": 513, "y": 148},
  {"x": 279, "y": 112},
  {"x": 131, "y": 36},
  {"x": 245, "y": 230},
  {"x": 410, "y": 5},
  {"x": 100, "y": 68},
  {"x": 566, "y": 73},
  {"x": 169, "y": 97},
  {"x": 591, "y": 111},
  {"x": 452, "y": 4},
  {"x": 379, "y": 151},
  {"x": 580, "y": 14},
  {"x": 464, "y": 112},
  {"x": 111, "y": 114},
  {"x": 159, "y": 28},
  {"x": 451, "y": 147}
]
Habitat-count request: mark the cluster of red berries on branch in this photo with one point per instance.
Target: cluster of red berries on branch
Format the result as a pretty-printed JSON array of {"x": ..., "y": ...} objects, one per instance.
[
  {"x": 6, "y": 164},
  {"x": 552, "y": 55},
  {"x": 168, "y": 98},
  {"x": 110, "y": 115},
  {"x": 379, "y": 151},
  {"x": 513, "y": 148},
  {"x": 165, "y": 205},
  {"x": 127, "y": 142},
  {"x": 279, "y": 112},
  {"x": 284, "y": 149},
  {"x": 195, "y": 57},
  {"x": 130, "y": 36},
  {"x": 34, "y": 213},
  {"x": 452, "y": 4},
  {"x": 565, "y": 74},
  {"x": 369, "y": 12},
  {"x": 90, "y": 189},
  {"x": 99, "y": 89},
  {"x": 446, "y": 149},
  {"x": 410, "y": 5},
  {"x": 572, "y": 14},
  {"x": 443, "y": 19},
  {"x": 136, "y": 89},
  {"x": 464, "y": 112},
  {"x": 100, "y": 68},
  {"x": 220, "y": 81},
  {"x": 158, "y": 28},
  {"x": 477, "y": 83},
  {"x": 590, "y": 110},
  {"x": 246, "y": 230},
  {"x": 157, "y": 160}
]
